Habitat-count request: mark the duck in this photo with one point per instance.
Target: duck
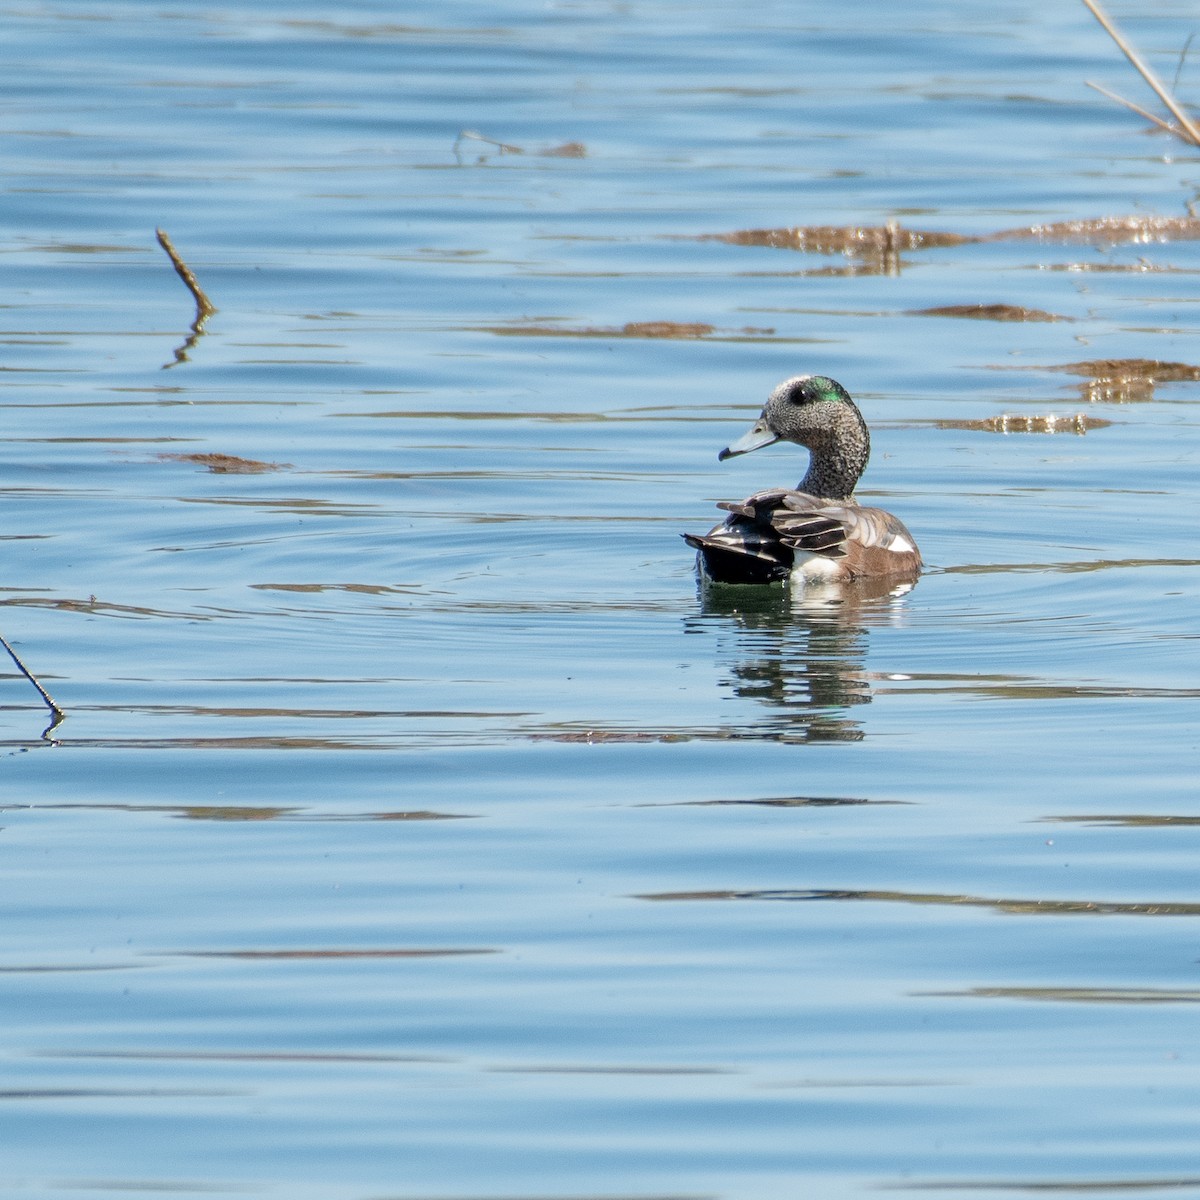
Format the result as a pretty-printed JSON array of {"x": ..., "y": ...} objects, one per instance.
[{"x": 816, "y": 531}]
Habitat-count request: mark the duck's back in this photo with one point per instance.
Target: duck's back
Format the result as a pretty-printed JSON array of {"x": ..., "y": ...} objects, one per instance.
[{"x": 780, "y": 532}]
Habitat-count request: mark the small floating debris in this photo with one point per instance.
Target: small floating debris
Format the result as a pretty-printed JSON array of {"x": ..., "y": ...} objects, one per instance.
[
  {"x": 1019, "y": 423},
  {"x": 988, "y": 312},
  {"x": 226, "y": 464}
]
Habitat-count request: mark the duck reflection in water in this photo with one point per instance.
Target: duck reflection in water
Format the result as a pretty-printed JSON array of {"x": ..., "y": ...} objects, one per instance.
[{"x": 802, "y": 655}]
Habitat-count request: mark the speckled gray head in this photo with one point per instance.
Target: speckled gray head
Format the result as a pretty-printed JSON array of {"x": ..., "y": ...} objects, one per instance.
[{"x": 817, "y": 412}]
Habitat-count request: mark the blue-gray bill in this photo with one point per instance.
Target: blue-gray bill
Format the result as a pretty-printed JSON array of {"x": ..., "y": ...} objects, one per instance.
[{"x": 758, "y": 435}]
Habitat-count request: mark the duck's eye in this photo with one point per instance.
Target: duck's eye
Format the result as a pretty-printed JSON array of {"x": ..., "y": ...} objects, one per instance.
[{"x": 819, "y": 387}]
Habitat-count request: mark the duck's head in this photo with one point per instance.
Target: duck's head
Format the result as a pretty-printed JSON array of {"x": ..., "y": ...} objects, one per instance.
[{"x": 817, "y": 412}]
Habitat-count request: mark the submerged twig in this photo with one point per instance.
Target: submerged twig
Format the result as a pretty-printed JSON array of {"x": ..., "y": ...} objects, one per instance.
[
  {"x": 57, "y": 713},
  {"x": 204, "y": 306},
  {"x": 1187, "y": 127}
]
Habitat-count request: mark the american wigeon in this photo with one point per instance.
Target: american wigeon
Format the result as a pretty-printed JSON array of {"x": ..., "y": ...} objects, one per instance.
[{"x": 816, "y": 531}]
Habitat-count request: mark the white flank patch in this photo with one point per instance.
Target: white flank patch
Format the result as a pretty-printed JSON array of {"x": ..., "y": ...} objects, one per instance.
[
  {"x": 817, "y": 566},
  {"x": 900, "y": 543}
]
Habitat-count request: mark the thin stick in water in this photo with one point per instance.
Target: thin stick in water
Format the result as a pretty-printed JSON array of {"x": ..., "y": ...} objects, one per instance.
[
  {"x": 45, "y": 695},
  {"x": 469, "y": 135},
  {"x": 204, "y": 306},
  {"x": 1137, "y": 108},
  {"x": 1189, "y": 130}
]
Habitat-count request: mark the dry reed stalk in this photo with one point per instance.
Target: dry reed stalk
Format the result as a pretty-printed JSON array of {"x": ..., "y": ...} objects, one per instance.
[
  {"x": 1187, "y": 127},
  {"x": 1137, "y": 108},
  {"x": 204, "y": 306},
  {"x": 56, "y": 712}
]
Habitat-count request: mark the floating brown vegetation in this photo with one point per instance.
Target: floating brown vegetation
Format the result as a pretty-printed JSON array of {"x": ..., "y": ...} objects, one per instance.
[
  {"x": 880, "y": 247},
  {"x": 1033, "y": 907},
  {"x": 564, "y": 150},
  {"x": 1077, "y": 568},
  {"x": 95, "y": 607},
  {"x": 665, "y": 329},
  {"x": 988, "y": 312},
  {"x": 1136, "y": 228},
  {"x": 1126, "y": 380},
  {"x": 776, "y": 802},
  {"x": 1127, "y": 820},
  {"x": 222, "y": 812},
  {"x": 1154, "y": 369},
  {"x": 1079, "y": 995},
  {"x": 671, "y": 330},
  {"x": 1093, "y": 267},
  {"x": 859, "y": 240},
  {"x": 226, "y": 464},
  {"x": 1120, "y": 1185},
  {"x": 233, "y": 812},
  {"x": 195, "y": 812},
  {"x": 423, "y": 952},
  {"x": 1186, "y": 128},
  {"x": 412, "y": 814},
  {"x": 303, "y": 1056},
  {"x": 595, "y": 737},
  {"x": 364, "y": 589},
  {"x": 611, "y": 1069},
  {"x": 1016, "y": 423}
]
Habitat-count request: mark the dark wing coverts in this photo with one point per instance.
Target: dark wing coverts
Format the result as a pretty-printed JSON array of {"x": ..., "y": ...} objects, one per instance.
[{"x": 766, "y": 534}]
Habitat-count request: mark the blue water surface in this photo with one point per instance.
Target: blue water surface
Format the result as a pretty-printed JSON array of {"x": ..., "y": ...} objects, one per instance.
[{"x": 417, "y": 829}]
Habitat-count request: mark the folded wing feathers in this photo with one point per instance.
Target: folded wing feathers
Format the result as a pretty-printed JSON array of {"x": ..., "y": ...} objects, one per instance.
[
  {"x": 731, "y": 559},
  {"x": 815, "y": 533},
  {"x": 767, "y": 531},
  {"x": 743, "y": 508}
]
